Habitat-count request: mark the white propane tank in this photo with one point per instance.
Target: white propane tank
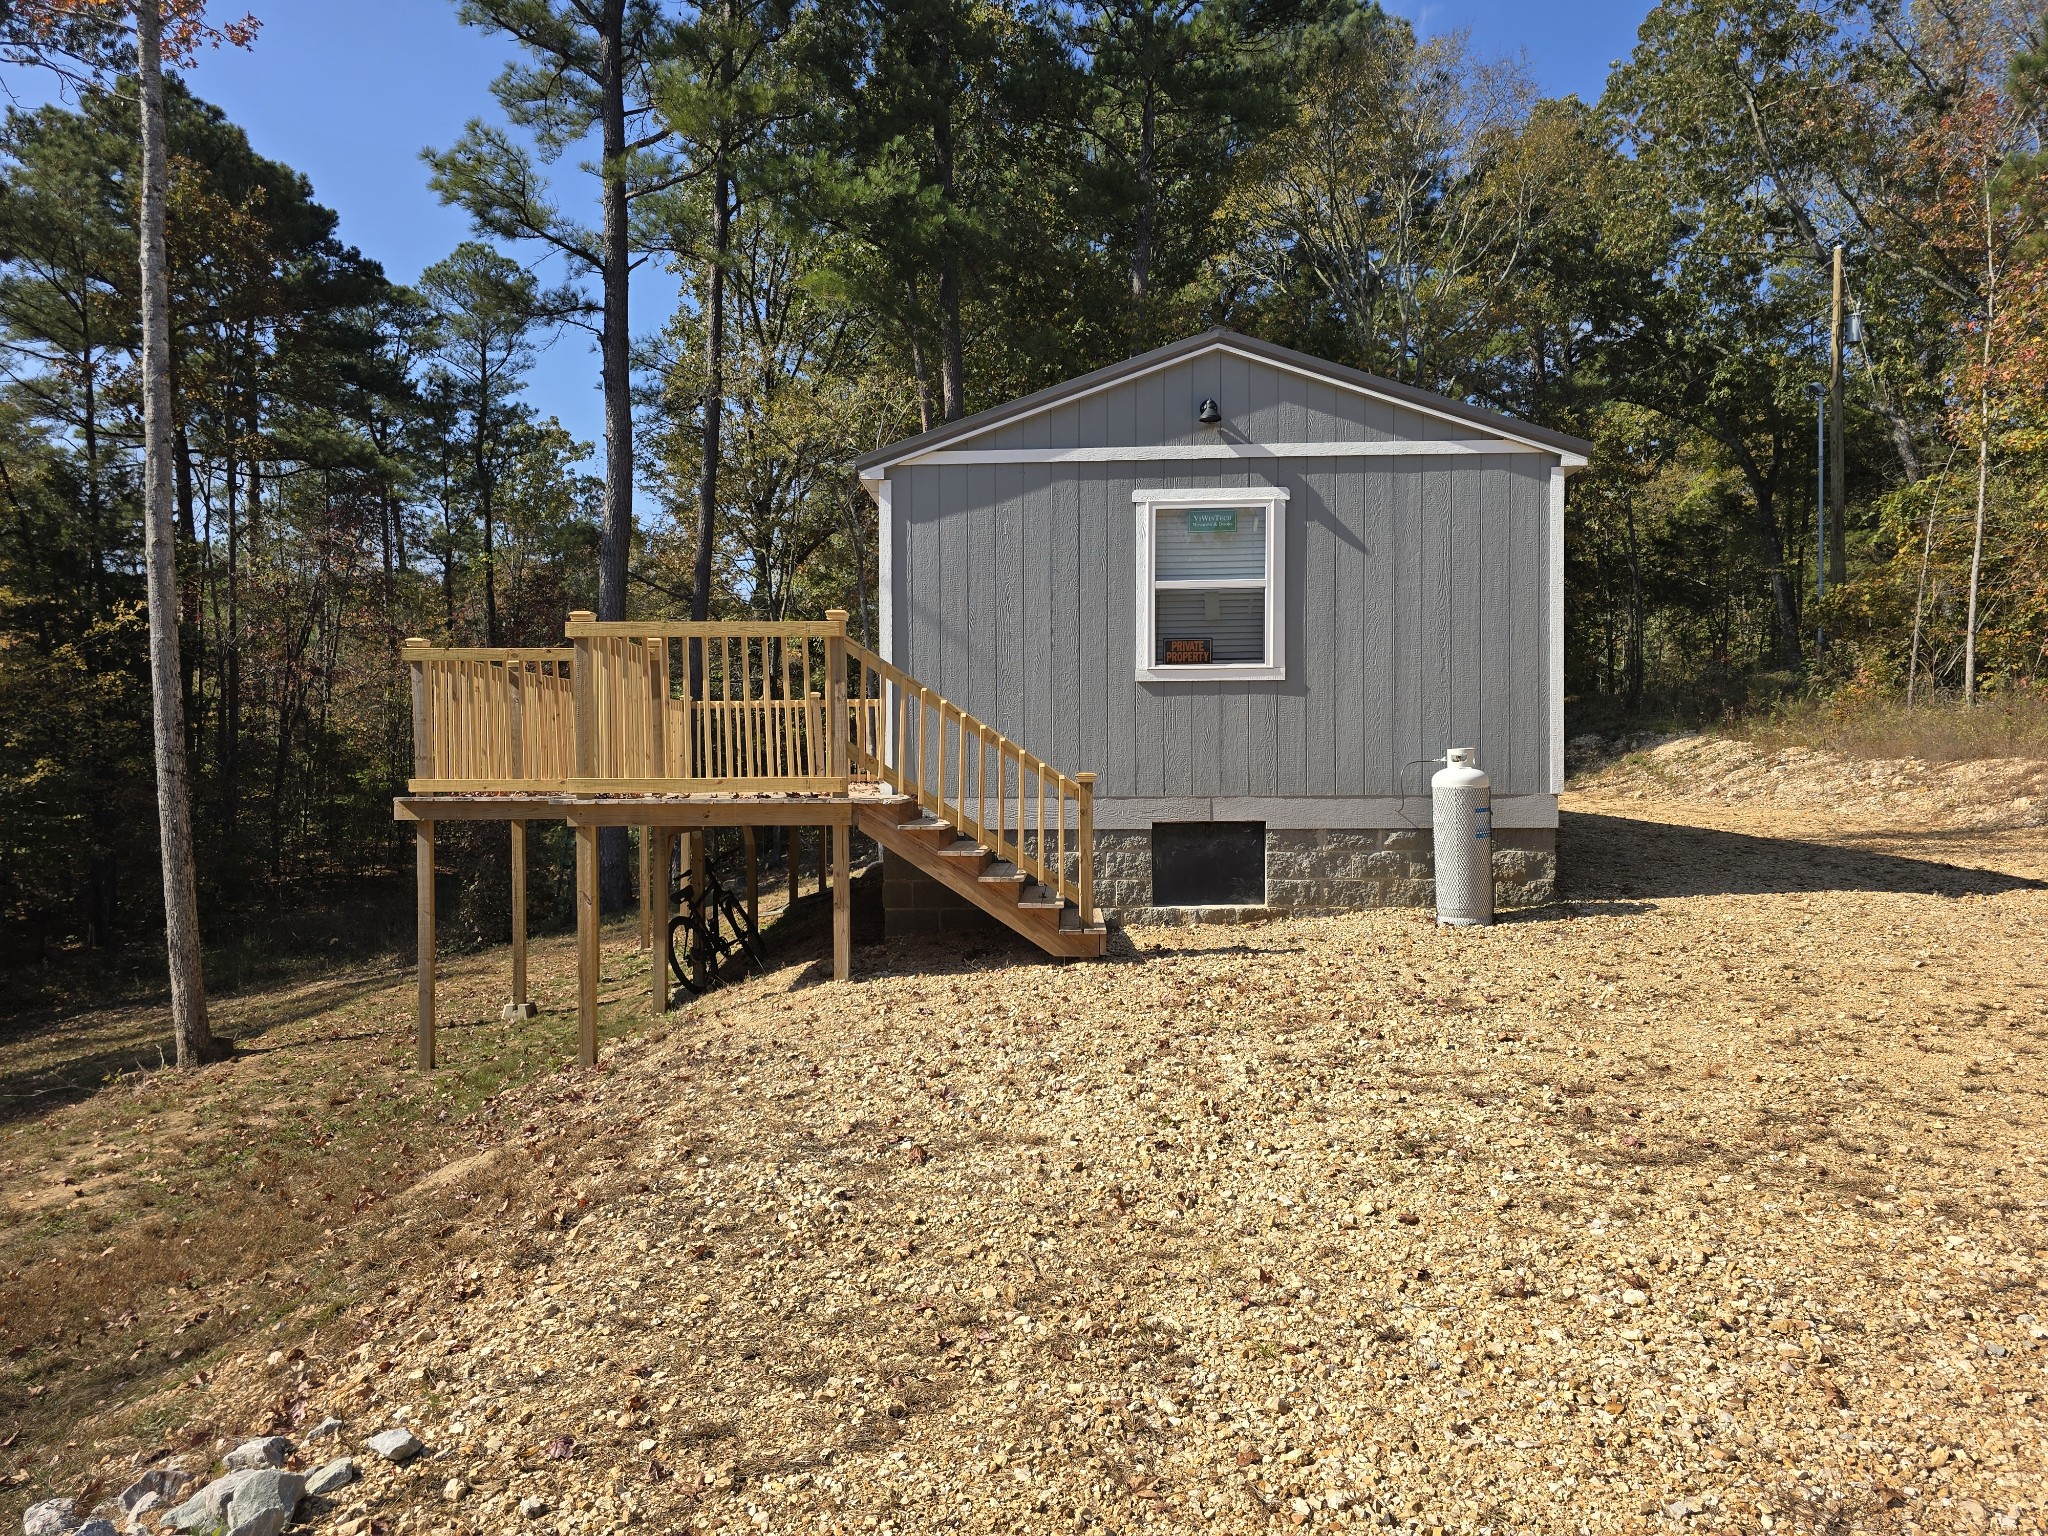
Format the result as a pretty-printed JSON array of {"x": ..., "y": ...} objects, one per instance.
[{"x": 1461, "y": 797}]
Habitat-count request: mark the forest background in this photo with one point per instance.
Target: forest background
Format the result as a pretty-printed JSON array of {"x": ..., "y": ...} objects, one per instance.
[{"x": 885, "y": 215}]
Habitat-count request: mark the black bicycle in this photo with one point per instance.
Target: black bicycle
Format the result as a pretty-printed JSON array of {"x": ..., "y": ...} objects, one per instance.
[{"x": 706, "y": 938}]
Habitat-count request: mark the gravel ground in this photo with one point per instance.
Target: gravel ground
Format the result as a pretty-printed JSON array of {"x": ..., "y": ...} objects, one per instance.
[{"x": 1710, "y": 1200}]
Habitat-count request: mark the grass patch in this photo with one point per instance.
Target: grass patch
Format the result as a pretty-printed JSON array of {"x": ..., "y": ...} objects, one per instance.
[
  {"x": 153, "y": 1222},
  {"x": 1939, "y": 732}
]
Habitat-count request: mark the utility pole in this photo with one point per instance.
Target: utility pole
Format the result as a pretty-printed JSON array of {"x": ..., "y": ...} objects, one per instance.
[{"x": 1838, "y": 544}]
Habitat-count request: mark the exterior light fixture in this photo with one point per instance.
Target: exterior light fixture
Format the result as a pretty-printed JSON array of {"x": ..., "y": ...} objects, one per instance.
[{"x": 1210, "y": 414}]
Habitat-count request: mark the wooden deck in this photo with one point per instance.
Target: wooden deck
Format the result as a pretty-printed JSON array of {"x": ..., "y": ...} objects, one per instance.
[{"x": 676, "y": 728}]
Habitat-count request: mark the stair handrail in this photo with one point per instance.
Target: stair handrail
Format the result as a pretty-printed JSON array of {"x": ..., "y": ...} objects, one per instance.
[{"x": 899, "y": 732}]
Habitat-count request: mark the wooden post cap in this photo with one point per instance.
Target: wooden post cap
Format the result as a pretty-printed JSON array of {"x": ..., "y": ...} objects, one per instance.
[
  {"x": 412, "y": 640},
  {"x": 582, "y": 616},
  {"x": 1084, "y": 778}
]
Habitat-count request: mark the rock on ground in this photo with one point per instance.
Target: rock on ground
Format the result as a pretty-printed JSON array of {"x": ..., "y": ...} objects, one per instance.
[
  {"x": 338, "y": 1473},
  {"x": 263, "y": 1494},
  {"x": 52, "y": 1517},
  {"x": 156, "y": 1486},
  {"x": 395, "y": 1444},
  {"x": 209, "y": 1506},
  {"x": 269, "y": 1451}
]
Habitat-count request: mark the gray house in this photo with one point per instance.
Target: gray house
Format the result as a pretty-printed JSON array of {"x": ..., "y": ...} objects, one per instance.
[{"x": 1259, "y": 595}]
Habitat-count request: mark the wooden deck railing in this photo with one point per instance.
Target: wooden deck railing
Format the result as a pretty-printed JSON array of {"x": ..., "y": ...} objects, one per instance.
[
  {"x": 963, "y": 771},
  {"x": 625, "y": 708},
  {"x": 695, "y": 708},
  {"x": 499, "y": 719},
  {"x": 739, "y": 708}
]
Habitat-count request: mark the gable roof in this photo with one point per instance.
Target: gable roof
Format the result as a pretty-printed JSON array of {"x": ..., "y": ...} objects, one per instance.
[{"x": 874, "y": 465}]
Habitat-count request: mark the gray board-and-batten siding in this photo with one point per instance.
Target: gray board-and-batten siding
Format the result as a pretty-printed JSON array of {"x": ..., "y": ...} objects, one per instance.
[
  {"x": 1421, "y": 592},
  {"x": 1413, "y": 600}
]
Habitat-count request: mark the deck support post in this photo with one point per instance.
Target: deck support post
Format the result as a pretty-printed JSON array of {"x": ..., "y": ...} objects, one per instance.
[
  {"x": 657, "y": 861},
  {"x": 824, "y": 860},
  {"x": 519, "y": 1007},
  {"x": 842, "y": 902},
  {"x": 700, "y": 969},
  {"x": 792, "y": 847},
  {"x": 586, "y": 946},
  {"x": 753, "y": 878},
  {"x": 423, "y": 863},
  {"x": 646, "y": 888}
]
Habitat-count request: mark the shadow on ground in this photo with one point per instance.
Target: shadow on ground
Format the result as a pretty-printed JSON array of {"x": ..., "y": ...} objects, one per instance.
[{"x": 1602, "y": 858}]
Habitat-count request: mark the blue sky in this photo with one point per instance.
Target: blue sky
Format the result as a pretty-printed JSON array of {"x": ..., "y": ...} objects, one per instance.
[{"x": 349, "y": 91}]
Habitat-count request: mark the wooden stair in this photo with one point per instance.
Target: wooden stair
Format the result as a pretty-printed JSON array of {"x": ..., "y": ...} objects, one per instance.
[{"x": 973, "y": 872}]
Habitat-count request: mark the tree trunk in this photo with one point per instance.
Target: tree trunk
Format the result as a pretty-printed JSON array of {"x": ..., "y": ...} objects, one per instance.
[
  {"x": 1920, "y": 603},
  {"x": 1976, "y": 565},
  {"x": 919, "y": 369},
  {"x": 1983, "y": 450},
  {"x": 195, "y": 1042},
  {"x": 615, "y": 540},
  {"x": 487, "y": 513},
  {"x": 952, "y": 367},
  {"x": 231, "y": 662},
  {"x": 1141, "y": 236},
  {"x": 1838, "y": 489},
  {"x": 189, "y": 606},
  {"x": 615, "y": 337},
  {"x": 714, "y": 396},
  {"x": 1784, "y": 592},
  {"x": 1634, "y": 662}
]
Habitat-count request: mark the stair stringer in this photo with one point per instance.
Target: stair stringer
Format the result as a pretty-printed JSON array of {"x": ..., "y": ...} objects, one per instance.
[{"x": 1040, "y": 925}]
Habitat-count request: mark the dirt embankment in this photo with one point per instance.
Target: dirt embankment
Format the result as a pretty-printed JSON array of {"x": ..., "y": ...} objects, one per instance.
[
  {"x": 1712, "y": 1199},
  {"x": 1988, "y": 792}
]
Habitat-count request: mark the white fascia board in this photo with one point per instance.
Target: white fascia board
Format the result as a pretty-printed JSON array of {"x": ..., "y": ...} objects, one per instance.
[
  {"x": 1168, "y": 453},
  {"x": 1556, "y": 594},
  {"x": 1569, "y": 460},
  {"x": 885, "y": 572}
]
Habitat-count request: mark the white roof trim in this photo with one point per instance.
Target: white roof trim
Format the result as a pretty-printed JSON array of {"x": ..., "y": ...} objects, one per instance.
[
  {"x": 877, "y": 472},
  {"x": 1353, "y": 448}
]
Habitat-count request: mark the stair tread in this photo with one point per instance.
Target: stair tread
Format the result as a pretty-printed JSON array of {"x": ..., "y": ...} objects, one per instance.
[{"x": 965, "y": 848}]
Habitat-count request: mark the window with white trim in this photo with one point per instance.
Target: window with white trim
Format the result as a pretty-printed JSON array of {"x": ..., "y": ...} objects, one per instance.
[{"x": 1211, "y": 564}]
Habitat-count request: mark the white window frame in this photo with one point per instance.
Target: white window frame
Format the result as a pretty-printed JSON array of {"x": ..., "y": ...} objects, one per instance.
[{"x": 1273, "y": 499}]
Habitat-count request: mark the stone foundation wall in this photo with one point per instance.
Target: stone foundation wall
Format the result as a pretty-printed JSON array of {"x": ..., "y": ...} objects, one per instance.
[
  {"x": 1335, "y": 870},
  {"x": 914, "y": 905}
]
